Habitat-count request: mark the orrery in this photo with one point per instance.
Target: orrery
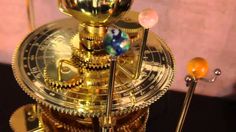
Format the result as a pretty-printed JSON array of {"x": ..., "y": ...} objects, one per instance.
[{"x": 65, "y": 68}]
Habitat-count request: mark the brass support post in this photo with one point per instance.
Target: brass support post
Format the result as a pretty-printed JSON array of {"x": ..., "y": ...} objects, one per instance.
[
  {"x": 108, "y": 120},
  {"x": 141, "y": 54},
  {"x": 192, "y": 85}
]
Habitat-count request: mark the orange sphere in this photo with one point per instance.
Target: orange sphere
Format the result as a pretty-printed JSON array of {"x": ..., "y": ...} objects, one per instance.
[{"x": 197, "y": 67}]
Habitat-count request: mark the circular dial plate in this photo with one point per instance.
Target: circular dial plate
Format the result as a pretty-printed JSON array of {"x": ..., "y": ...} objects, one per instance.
[{"x": 51, "y": 43}]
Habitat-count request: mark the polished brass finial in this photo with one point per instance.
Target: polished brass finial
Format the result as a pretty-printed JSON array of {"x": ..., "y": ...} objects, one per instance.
[
  {"x": 95, "y": 12},
  {"x": 95, "y": 15}
]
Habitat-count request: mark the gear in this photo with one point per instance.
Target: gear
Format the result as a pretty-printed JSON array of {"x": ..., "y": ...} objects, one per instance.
[
  {"x": 89, "y": 41},
  {"x": 132, "y": 121},
  {"x": 134, "y": 29},
  {"x": 90, "y": 66},
  {"x": 67, "y": 122},
  {"x": 136, "y": 121},
  {"x": 93, "y": 60},
  {"x": 94, "y": 57},
  {"x": 70, "y": 77}
]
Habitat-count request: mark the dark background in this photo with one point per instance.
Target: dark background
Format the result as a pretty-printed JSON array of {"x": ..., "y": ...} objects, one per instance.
[{"x": 206, "y": 114}]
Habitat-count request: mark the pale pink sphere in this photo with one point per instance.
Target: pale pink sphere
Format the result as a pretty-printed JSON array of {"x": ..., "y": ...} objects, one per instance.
[{"x": 148, "y": 18}]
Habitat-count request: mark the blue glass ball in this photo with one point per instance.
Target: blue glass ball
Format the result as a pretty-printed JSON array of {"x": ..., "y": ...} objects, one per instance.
[{"x": 116, "y": 42}]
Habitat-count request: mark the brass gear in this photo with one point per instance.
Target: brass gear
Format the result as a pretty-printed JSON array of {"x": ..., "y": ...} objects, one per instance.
[
  {"x": 136, "y": 122},
  {"x": 94, "y": 60},
  {"x": 132, "y": 121},
  {"x": 91, "y": 42},
  {"x": 71, "y": 80},
  {"x": 88, "y": 41},
  {"x": 93, "y": 67},
  {"x": 66, "y": 122},
  {"x": 133, "y": 29}
]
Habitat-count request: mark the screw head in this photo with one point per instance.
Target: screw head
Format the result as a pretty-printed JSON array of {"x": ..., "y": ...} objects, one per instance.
[{"x": 188, "y": 78}]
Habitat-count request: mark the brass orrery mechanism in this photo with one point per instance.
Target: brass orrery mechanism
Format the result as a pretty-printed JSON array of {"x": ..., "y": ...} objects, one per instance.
[
  {"x": 63, "y": 67},
  {"x": 94, "y": 17}
]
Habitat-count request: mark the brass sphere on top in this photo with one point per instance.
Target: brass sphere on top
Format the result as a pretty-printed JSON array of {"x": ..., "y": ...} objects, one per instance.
[{"x": 95, "y": 12}]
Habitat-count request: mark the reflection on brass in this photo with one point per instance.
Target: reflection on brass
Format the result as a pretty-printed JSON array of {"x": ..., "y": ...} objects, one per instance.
[
  {"x": 94, "y": 15},
  {"x": 64, "y": 75},
  {"x": 93, "y": 57},
  {"x": 26, "y": 119},
  {"x": 132, "y": 98},
  {"x": 131, "y": 27},
  {"x": 64, "y": 67},
  {"x": 95, "y": 12}
]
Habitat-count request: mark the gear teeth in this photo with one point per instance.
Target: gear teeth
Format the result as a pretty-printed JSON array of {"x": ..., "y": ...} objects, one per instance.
[
  {"x": 58, "y": 109},
  {"x": 63, "y": 125},
  {"x": 59, "y": 85},
  {"x": 133, "y": 29},
  {"x": 94, "y": 60},
  {"x": 88, "y": 66},
  {"x": 66, "y": 109},
  {"x": 70, "y": 111},
  {"x": 94, "y": 40}
]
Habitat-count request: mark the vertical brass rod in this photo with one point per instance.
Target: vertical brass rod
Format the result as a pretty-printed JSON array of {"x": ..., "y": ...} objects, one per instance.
[
  {"x": 111, "y": 86},
  {"x": 186, "y": 104},
  {"x": 30, "y": 14},
  {"x": 110, "y": 93},
  {"x": 141, "y": 54}
]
